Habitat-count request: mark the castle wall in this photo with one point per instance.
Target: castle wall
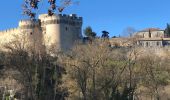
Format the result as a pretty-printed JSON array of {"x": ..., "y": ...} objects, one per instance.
[
  {"x": 7, "y": 36},
  {"x": 26, "y": 35}
]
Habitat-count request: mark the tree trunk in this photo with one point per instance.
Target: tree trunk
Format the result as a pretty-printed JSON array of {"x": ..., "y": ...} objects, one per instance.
[{"x": 94, "y": 84}]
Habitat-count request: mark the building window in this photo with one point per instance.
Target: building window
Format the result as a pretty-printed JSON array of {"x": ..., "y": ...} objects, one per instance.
[
  {"x": 157, "y": 43},
  {"x": 66, "y": 28},
  {"x": 141, "y": 44},
  {"x": 147, "y": 44}
]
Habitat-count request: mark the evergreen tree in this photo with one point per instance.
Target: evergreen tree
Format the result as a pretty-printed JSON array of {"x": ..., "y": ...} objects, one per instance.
[
  {"x": 105, "y": 34},
  {"x": 89, "y": 32},
  {"x": 167, "y": 30}
]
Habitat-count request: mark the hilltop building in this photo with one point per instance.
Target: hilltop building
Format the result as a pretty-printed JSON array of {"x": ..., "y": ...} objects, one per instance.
[
  {"x": 59, "y": 31},
  {"x": 151, "y": 37}
]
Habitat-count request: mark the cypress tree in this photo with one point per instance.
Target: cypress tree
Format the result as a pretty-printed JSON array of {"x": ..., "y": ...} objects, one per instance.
[{"x": 167, "y": 31}]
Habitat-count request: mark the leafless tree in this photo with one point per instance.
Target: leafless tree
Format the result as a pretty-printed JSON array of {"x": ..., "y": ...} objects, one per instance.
[
  {"x": 128, "y": 32},
  {"x": 39, "y": 72},
  {"x": 154, "y": 72},
  {"x": 30, "y": 6}
]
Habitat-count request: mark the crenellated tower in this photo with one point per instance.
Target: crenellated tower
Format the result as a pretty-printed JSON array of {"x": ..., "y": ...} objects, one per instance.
[{"x": 61, "y": 31}]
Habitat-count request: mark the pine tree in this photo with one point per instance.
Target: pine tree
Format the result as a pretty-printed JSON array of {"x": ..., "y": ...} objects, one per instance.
[
  {"x": 105, "y": 34},
  {"x": 89, "y": 32}
]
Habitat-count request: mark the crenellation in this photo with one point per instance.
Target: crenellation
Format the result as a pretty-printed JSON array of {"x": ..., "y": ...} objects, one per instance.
[
  {"x": 61, "y": 19},
  {"x": 72, "y": 17},
  {"x": 28, "y": 22},
  {"x": 80, "y": 18},
  {"x": 9, "y": 31}
]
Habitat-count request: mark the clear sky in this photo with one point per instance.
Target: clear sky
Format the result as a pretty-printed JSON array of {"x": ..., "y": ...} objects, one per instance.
[{"x": 111, "y": 15}]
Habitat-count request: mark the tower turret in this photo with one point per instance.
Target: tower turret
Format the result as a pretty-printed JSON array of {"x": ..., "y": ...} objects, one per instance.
[{"x": 32, "y": 31}]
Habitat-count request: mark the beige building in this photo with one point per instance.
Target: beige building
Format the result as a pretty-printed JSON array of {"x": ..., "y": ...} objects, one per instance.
[
  {"x": 59, "y": 31},
  {"x": 150, "y": 33},
  {"x": 152, "y": 37}
]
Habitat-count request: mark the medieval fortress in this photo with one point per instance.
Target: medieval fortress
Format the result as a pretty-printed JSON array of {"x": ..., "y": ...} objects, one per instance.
[{"x": 60, "y": 31}]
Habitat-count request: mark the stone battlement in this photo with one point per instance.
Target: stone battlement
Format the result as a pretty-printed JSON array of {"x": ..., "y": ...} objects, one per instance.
[
  {"x": 28, "y": 22},
  {"x": 8, "y": 31},
  {"x": 61, "y": 16},
  {"x": 72, "y": 19}
]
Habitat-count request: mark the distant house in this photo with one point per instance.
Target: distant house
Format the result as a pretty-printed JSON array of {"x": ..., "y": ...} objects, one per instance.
[{"x": 152, "y": 37}]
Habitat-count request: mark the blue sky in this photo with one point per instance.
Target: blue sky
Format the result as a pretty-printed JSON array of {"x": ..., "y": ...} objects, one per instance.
[{"x": 111, "y": 15}]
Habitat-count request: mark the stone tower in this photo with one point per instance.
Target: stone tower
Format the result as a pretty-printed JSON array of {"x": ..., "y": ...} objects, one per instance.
[
  {"x": 61, "y": 31},
  {"x": 32, "y": 30}
]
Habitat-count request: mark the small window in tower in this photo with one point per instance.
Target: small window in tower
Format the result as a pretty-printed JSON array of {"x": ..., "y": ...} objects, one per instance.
[
  {"x": 147, "y": 44},
  {"x": 66, "y": 28}
]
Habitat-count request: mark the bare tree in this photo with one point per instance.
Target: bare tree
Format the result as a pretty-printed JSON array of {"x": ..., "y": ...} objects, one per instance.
[
  {"x": 154, "y": 72},
  {"x": 40, "y": 73},
  {"x": 99, "y": 71},
  {"x": 30, "y": 6},
  {"x": 128, "y": 32}
]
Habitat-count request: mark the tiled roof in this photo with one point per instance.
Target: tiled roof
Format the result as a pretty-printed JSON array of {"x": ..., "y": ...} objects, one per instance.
[{"x": 151, "y": 29}]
